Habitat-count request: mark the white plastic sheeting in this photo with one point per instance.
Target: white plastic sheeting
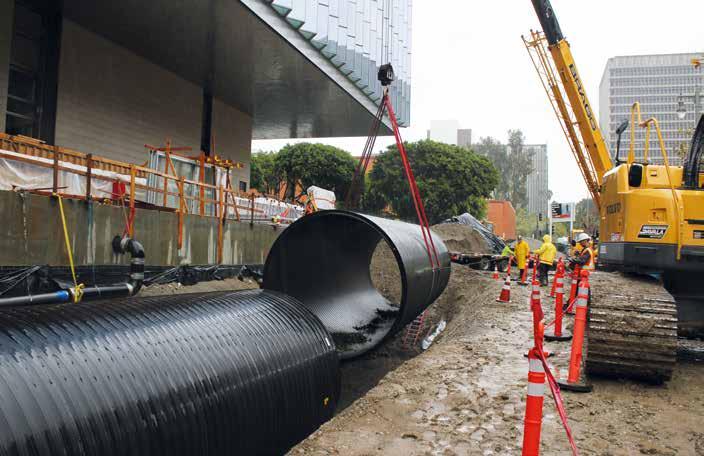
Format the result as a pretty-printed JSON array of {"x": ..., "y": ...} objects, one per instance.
[
  {"x": 268, "y": 209},
  {"x": 324, "y": 199},
  {"x": 25, "y": 172}
]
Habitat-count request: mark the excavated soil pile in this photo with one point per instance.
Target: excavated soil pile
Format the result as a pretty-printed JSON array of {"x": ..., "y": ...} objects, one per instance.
[{"x": 461, "y": 238}]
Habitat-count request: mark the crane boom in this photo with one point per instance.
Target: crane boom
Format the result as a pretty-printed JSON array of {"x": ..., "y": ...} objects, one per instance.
[{"x": 590, "y": 151}]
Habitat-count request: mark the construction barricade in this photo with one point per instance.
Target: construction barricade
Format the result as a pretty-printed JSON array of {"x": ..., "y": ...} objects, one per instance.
[
  {"x": 557, "y": 333},
  {"x": 573, "y": 381},
  {"x": 538, "y": 373}
]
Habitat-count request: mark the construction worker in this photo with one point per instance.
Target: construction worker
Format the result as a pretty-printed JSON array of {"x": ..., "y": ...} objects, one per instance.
[
  {"x": 507, "y": 252},
  {"x": 522, "y": 251},
  {"x": 585, "y": 258},
  {"x": 546, "y": 253}
]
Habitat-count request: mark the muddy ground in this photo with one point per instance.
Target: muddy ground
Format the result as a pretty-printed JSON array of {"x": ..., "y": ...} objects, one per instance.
[{"x": 465, "y": 395}]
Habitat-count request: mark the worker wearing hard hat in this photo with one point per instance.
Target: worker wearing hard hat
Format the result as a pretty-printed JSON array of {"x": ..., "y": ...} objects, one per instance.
[
  {"x": 522, "y": 251},
  {"x": 546, "y": 253},
  {"x": 585, "y": 258}
]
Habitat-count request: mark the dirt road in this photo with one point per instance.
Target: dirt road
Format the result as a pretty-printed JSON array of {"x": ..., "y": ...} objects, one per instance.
[{"x": 465, "y": 395}]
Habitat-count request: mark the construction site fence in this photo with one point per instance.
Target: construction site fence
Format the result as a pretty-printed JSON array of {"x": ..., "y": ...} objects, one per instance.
[{"x": 30, "y": 165}]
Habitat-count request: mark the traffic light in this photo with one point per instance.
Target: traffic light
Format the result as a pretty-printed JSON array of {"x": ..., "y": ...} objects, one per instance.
[{"x": 540, "y": 217}]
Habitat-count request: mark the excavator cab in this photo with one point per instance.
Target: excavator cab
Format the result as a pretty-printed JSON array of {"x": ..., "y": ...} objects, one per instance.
[{"x": 693, "y": 167}]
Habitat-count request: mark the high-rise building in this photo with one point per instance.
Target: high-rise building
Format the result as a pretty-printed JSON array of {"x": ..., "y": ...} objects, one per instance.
[
  {"x": 108, "y": 77},
  {"x": 657, "y": 82},
  {"x": 537, "y": 184},
  {"x": 449, "y": 132},
  {"x": 444, "y": 131},
  {"x": 464, "y": 138}
]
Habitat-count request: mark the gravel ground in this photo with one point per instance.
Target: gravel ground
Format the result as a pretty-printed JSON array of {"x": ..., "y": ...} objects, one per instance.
[{"x": 465, "y": 395}]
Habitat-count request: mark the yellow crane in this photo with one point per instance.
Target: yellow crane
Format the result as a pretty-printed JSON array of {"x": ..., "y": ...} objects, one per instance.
[{"x": 651, "y": 215}]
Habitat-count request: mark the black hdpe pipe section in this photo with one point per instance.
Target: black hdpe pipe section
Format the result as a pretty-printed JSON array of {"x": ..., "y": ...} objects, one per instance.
[
  {"x": 251, "y": 372},
  {"x": 129, "y": 288},
  {"x": 323, "y": 260}
]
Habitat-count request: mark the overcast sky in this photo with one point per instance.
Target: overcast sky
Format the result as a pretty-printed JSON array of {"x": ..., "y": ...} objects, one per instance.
[{"x": 469, "y": 64}]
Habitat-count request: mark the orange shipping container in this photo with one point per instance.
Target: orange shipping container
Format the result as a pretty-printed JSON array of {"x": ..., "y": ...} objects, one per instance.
[{"x": 502, "y": 216}]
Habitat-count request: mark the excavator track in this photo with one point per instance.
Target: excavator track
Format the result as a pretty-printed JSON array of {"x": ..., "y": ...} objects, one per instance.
[{"x": 632, "y": 329}]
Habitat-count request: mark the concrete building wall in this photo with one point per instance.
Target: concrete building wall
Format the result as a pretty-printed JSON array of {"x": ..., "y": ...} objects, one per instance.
[
  {"x": 6, "y": 26},
  {"x": 111, "y": 101},
  {"x": 34, "y": 236},
  {"x": 232, "y": 133}
]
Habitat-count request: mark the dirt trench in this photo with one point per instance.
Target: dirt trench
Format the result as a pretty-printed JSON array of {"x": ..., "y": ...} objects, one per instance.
[{"x": 465, "y": 395}]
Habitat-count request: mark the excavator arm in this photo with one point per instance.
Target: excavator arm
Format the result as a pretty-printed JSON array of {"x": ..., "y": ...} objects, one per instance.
[{"x": 570, "y": 101}]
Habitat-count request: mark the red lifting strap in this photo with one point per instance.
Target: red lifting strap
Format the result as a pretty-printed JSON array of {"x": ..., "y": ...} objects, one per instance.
[
  {"x": 417, "y": 201},
  {"x": 353, "y": 193}
]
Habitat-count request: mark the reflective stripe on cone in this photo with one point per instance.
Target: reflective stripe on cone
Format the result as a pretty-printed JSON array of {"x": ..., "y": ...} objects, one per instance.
[{"x": 533, "y": 421}]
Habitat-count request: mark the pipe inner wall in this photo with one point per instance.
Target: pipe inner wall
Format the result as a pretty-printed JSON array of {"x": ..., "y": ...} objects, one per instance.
[
  {"x": 323, "y": 260},
  {"x": 251, "y": 372}
]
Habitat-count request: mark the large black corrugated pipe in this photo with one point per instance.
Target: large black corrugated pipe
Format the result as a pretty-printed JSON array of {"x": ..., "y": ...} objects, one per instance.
[
  {"x": 241, "y": 373},
  {"x": 323, "y": 260}
]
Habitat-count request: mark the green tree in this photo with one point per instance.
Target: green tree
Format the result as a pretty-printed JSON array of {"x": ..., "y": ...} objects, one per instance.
[
  {"x": 513, "y": 163},
  {"x": 560, "y": 230},
  {"x": 315, "y": 164},
  {"x": 497, "y": 153},
  {"x": 526, "y": 222},
  {"x": 586, "y": 216},
  {"x": 265, "y": 177},
  {"x": 451, "y": 180}
]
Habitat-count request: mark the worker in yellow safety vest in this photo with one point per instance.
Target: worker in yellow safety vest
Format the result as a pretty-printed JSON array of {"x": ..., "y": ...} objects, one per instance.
[
  {"x": 546, "y": 253},
  {"x": 522, "y": 250},
  {"x": 585, "y": 258}
]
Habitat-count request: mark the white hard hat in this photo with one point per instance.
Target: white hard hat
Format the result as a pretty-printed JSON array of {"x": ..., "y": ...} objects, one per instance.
[{"x": 582, "y": 237}]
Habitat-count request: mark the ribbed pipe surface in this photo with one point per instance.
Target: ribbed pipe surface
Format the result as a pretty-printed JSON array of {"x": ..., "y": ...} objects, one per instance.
[
  {"x": 240, "y": 373},
  {"x": 324, "y": 259}
]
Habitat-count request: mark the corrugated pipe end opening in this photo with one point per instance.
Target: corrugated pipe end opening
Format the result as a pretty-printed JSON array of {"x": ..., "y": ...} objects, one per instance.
[{"x": 323, "y": 260}]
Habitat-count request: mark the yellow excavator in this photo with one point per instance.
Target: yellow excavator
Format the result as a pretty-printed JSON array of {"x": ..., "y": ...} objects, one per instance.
[{"x": 651, "y": 223}]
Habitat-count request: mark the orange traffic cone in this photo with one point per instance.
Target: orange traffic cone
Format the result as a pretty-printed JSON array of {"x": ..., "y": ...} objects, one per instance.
[
  {"x": 580, "y": 322},
  {"x": 537, "y": 309},
  {"x": 533, "y": 421},
  {"x": 560, "y": 272},
  {"x": 557, "y": 334},
  {"x": 496, "y": 272},
  {"x": 573, "y": 288},
  {"x": 505, "y": 295}
]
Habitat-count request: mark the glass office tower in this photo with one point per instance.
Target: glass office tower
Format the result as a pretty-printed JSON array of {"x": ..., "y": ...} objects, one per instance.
[{"x": 358, "y": 36}]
